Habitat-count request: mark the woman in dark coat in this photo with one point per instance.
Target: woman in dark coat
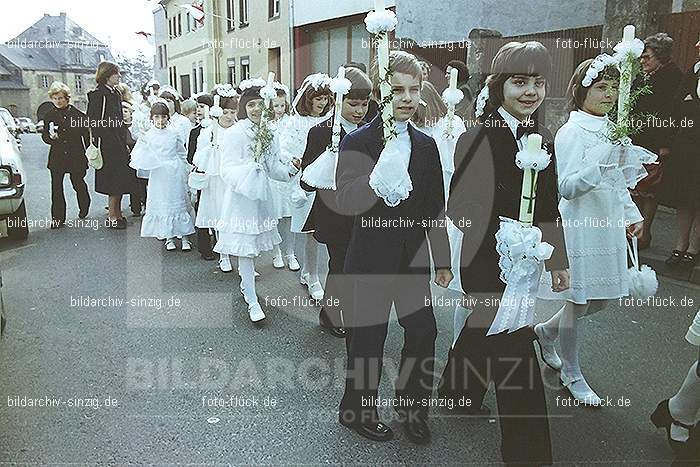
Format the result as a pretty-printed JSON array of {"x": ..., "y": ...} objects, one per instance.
[
  {"x": 664, "y": 77},
  {"x": 681, "y": 186},
  {"x": 115, "y": 178},
  {"x": 65, "y": 130}
]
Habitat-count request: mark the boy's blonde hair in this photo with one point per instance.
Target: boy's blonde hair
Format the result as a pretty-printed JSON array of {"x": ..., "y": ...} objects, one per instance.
[
  {"x": 188, "y": 106},
  {"x": 58, "y": 87}
]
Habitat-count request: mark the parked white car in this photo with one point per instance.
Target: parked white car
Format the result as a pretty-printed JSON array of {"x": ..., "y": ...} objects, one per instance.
[
  {"x": 10, "y": 124},
  {"x": 13, "y": 211},
  {"x": 26, "y": 125}
]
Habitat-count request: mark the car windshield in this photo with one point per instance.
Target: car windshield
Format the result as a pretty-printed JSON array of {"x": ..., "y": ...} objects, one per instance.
[{"x": 6, "y": 117}]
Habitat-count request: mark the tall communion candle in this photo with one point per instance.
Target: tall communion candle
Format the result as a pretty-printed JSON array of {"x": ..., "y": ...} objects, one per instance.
[
  {"x": 534, "y": 142},
  {"x": 628, "y": 33},
  {"x": 270, "y": 78},
  {"x": 625, "y": 86},
  {"x": 206, "y": 112},
  {"x": 217, "y": 100},
  {"x": 453, "y": 78},
  {"x": 379, "y": 5}
]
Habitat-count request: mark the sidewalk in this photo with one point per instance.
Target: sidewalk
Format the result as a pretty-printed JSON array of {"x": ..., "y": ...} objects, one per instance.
[{"x": 663, "y": 240}]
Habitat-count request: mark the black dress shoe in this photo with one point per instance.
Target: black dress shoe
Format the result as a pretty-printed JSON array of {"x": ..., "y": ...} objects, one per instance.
[
  {"x": 208, "y": 256},
  {"x": 325, "y": 323},
  {"x": 416, "y": 429},
  {"x": 376, "y": 431},
  {"x": 84, "y": 212},
  {"x": 675, "y": 258},
  {"x": 661, "y": 418},
  {"x": 689, "y": 260}
]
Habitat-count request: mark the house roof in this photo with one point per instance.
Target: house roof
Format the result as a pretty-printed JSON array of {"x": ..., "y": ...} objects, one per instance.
[
  {"x": 11, "y": 84},
  {"x": 55, "y": 43}
]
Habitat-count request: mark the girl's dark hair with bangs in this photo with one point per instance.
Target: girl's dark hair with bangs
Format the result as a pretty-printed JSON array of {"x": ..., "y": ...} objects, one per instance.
[
  {"x": 515, "y": 58},
  {"x": 576, "y": 93},
  {"x": 168, "y": 96},
  {"x": 361, "y": 85},
  {"x": 159, "y": 108}
]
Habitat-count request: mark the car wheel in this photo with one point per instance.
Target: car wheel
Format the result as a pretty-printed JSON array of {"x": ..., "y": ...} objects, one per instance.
[{"x": 17, "y": 226}]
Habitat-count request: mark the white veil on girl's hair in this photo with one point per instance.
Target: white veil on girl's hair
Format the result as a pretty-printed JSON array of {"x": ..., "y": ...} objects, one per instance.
[{"x": 316, "y": 80}]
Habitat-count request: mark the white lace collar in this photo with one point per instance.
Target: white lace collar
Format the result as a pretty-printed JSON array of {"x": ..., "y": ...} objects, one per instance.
[{"x": 587, "y": 121}]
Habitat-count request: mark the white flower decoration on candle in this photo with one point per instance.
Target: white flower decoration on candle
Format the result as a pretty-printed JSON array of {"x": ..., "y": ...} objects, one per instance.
[
  {"x": 268, "y": 92},
  {"x": 340, "y": 86},
  {"x": 533, "y": 156},
  {"x": 319, "y": 80},
  {"x": 481, "y": 100},
  {"x": 624, "y": 49},
  {"x": 452, "y": 96},
  {"x": 378, "y": 22},
  {"x": 216, "y": 111}
]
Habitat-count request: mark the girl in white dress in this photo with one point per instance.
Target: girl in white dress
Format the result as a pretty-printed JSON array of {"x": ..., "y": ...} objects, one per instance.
[
  {"x": 281, "y": 191},
  {"x": 161, "y": 152},
  {"x": 431, "y": 119},
  {"x": 248, "y": 226},
  {"x": 179, "y": 122},
  {"x": 207, "y": 159},
  {"x": 597, "y": 216},
  {"x": 310, "y": 107}
]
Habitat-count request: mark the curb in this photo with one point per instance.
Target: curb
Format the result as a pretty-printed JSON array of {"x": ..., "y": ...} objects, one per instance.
[{"x": 657, "y": 262}]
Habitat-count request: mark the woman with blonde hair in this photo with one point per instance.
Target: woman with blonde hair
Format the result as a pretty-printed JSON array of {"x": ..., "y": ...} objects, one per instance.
[{"x": 67, "y": 154}]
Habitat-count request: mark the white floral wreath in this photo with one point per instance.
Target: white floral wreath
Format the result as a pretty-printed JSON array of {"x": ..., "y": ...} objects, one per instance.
[
  {"x": 377, "y": 22},
  {"x": 251, "y": 83},
  {"x": 599, "y": 64},
  {"x": 225, "y": 90}
]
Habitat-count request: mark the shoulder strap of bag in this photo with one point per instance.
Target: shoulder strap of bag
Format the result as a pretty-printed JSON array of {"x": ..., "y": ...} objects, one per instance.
[{"x": 633, "y": 252}]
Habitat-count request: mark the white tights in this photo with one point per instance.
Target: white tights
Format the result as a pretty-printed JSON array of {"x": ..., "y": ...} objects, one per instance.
[
  {"x": 564, "y": 325},
  {"x": 310, "y": 266},
  {"x": 246, "y": 269},
  {"x": 288, "y": 238},
  {"x": 684, "y": 406}
]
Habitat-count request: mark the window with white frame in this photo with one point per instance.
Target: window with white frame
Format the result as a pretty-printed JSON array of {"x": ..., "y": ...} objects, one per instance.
[
  {"x": 244, "y": 12},
  {"x": 273, "y": 9},
  {"x": 230, "y": 15},
  {"x": 231, "y": 63},
  {"x": 245, "y": 68},
  {"x": 79, "y": 84}
]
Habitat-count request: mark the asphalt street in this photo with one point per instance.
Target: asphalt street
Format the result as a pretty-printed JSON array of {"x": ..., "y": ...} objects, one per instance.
[{"x": 148, "y": 356}]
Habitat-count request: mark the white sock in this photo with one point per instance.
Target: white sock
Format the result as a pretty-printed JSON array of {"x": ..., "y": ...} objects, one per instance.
[
  {"x": 246, "y": 269},
  {"x": 568, "y": 338},
  {"x": 276, "y": 251},
  {"x": 460, "y": 319},
  {"x": 684, "y": 406}
]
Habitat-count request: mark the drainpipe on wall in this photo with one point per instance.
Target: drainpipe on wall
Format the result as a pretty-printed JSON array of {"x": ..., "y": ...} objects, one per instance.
[{"x": 292, "y": 49}]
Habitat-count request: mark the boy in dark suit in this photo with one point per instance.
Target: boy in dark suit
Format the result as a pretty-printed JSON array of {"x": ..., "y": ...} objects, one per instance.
[
  {"x": 326, "y": 223},
  {"x": 204, "y": 237},
  {"x": 487, "y": 184},
  {"x": 389, "y": 260}
]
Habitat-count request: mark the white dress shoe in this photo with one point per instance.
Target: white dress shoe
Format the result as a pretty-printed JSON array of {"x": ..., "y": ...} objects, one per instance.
[
  {"x": 170, "y": 244},
  {"x": 315, "y": 290},
  {"x": 186, "y": 245},
  {"x": 255, "y": 312},
  {"x": 580, "y": 390},
  {"x": 547, "y": 350},
  {"x": 304, "y": 278},
  {"x": 225, "y": 264},
  {"x": 278, "y": 261},
  {"x": 293, "y": 263}
]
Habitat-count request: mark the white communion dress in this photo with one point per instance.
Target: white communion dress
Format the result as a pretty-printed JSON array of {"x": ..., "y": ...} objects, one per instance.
[
  {"x": 594, "y": 214},
  {"x": 162, "y": 153},
  {"x": 293, "y": 136},
  {"x": 207, "y": 159},
  {"x": 248, "y": 224}
]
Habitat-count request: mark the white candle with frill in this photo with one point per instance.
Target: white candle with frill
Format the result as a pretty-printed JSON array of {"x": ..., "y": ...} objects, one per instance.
[
  {"x": 529, "y": 186},
  {"x": 625, "y": 67}
]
